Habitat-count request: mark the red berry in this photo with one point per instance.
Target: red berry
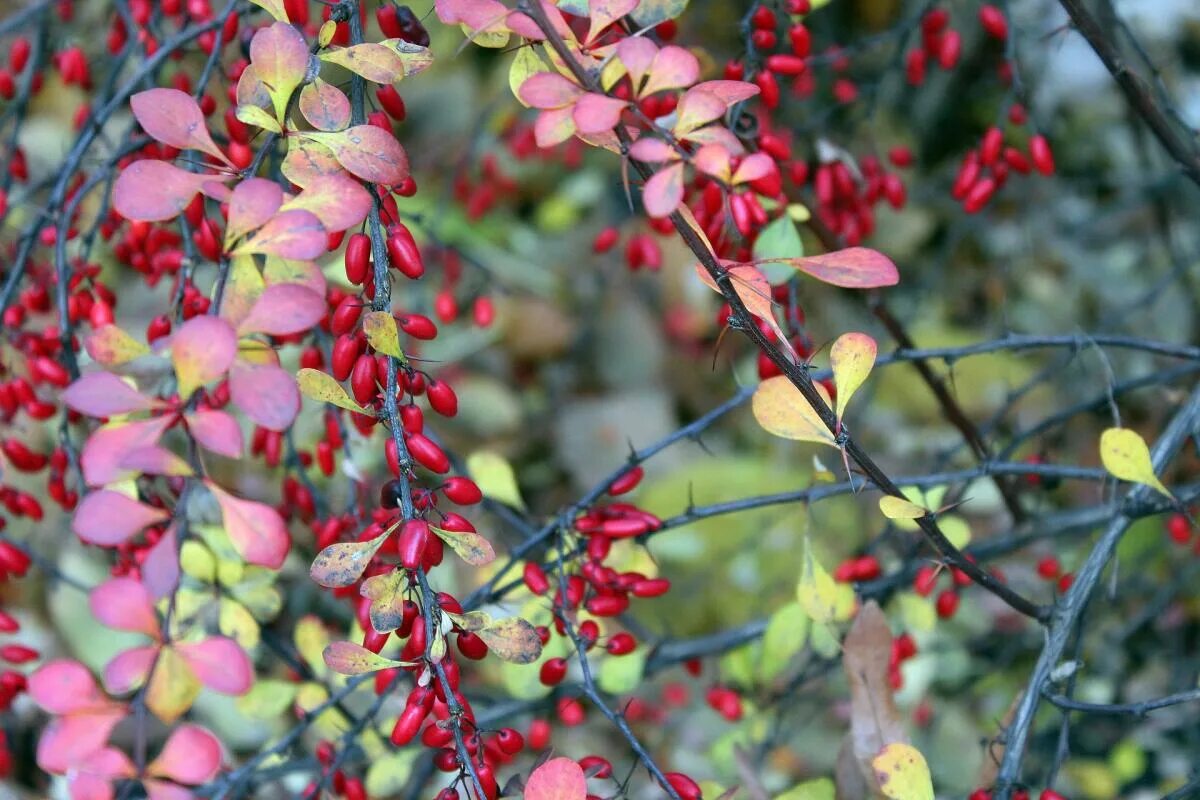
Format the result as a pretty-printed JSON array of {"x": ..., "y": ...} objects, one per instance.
[
  {"x": 947, "y": 603},
  {"x": 1179, "y": 529}
]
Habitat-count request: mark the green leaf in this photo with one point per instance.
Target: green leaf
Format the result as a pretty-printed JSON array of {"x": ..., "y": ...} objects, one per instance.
[
  {"x": 267, "y": 698},
  {"x": 623, "y": 674},
  {"x": 779, "y": 239},
  {"x": 495, "y": 477},
  {"x": 786, "y": 633},
  {"x": 819, "y": 789}
]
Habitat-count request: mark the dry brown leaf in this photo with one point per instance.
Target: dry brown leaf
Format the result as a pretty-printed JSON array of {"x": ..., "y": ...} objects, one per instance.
[{"x": 874, "y": 719}]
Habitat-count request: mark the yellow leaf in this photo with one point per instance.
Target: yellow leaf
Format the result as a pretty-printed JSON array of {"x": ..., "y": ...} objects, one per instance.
[
  {"x": 916, "y": 613},
  {"x": 267, "y": 698},
  {"x": 274, "y": 8},
  {"x": 173, "y": 686},
  {"x": 197, "y": 561},
  {"x": 781, "y": 410},
  {"x": 1126, "y": 456},
  {"x": 380, "y": 328},
  {"x": 495, "y": 478},
  {"x": 526, "y": 64},
  {"x": 311, "y": 638},
  {"x": 470, "y": 547},
  {"x": 899, "y": 508},
  {"x": 236, "y": 622},
  {"x": 321, "y": 386},
  {"x": 956, "y": 531},
  {"x": 326, "y": 33},
  {"x": 902, "y": 773},
  {"x": 821, "y": 597},
  {"x": 852, "y": 357},
  {"x": 253, "y": 115},
  {"x": 111, "y": 346},
  {"x": 513, "y": 640},
  {"x": 388, "y": 775}
]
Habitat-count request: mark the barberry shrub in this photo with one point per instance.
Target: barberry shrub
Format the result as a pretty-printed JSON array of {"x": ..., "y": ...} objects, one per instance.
[{"x": 564, "y": 400}]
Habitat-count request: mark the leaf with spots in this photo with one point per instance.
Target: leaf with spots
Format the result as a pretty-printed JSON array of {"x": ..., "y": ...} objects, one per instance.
[
  {"x": 513, "y": 640},
  {"x": 471, "y": 547},
  {"x": 325, "y": 106},
  {"x": 366, "y": 152},
  {"x": 322, "y": 387},
  {"x": 343, "y": 563},
  {"x": 386, "y": 593},
  {"x": 348, "y": 658},
  {"x": 295, "y": 234},
  {"x": 902, "y": 773}
]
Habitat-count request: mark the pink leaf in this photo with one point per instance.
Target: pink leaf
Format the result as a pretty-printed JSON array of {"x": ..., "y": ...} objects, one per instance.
[
  {"x": 653, "y": 150},
  {"x": 548, "y": 90},
  {"x": 267, "y": 394},
  {"x": 216, "y": 431},
  {"x": 124, "y": 604},
  {"x": 129, "y": 669},
  {"x": 191, "y": 756},
  {"x": 730, "y": 92},
  {"x": 164, "y": 790},
  {"x": 256, "y": 530},
  {"x": 557, "y": 779},
  {"x": 673, "y": 68},
  {"x": 604, "y": 13},
  {"x": 339, "y": 201},
  {"x": 751, "y": 285},
  {"x": 251, "y": 204},
  {"x": 174, "y": 118},
  {"x": 68, "y": 741},
  {"x": 554, "y": 127},
  {"x": 596, "y": 113},
  {"x": 295, "y": 234},
  {"x": 153, "y": 191},
  {"x": 102, "y": 394},
  {"x": 663, "y": 193},
  {"x": 852, "y": 268},
  {"x": 753, "y": 167},
  {"x": 66, "y": 687},
  {"x": 696, "y": 108},
  {"x": 279, "y": 55},
  {"x": 202, "y": 350},
  {"x": 284, "y": 309},
  {"x": 366, "y": 152},
  {"x": 154, "y": 460},
  {"x": 219, "y": 663},
  {"x": 160, "y": 569},
  {"x": 109, "y": 518},
  {"x": 105, "y": 449},
  {"x": 637, "y": 54},
  {"x": 325, "y": 106},
  {"x": 712, "y": 159}
]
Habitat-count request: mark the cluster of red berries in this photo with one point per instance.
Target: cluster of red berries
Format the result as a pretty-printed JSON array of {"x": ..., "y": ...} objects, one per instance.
[
  {"x": 985, "y": 169},
  {"x": 1019, "y": 794},
  {"x": 1050, "y": 569}
]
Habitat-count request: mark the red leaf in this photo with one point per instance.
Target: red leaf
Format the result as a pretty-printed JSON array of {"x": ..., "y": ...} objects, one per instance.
[
  {"x": 730, "y": 92},
  {"x": 174, "y": 118},
  {"x": 696, "y": 108},
  {"x": 604, "y": 13},
  {"x": 295, "y": 234},
  {"x": 216, "y": 431},
  {"x": 663, "y": 193},
  {"x": 596, "y": 113},
  {"x": 366, "y": 152},
  {"x": 267, "y": 395},
  {"x": 105, "y": 449},
  {"x": 554, "y": 127},
  {"x": 191, "y": 756},
  {"x": 752, "y": 286},
  {"x": 109, "y": 518},
  {"x": 852, "y": 268},
  {"x": 124, "y": 604},
  {"x": 256, "y": 530},
  {"x": 102, "y": 394},
  {"x": 637, "y": 54},
  {"x": 557, "y": 779},
  {"x": 219, "y": 663},
  {"x": 251, "y": 204},
  {"x": 339, "y": 201},
  {"x": 279, "y": 56},
  {"x": 154, "y": 191}
]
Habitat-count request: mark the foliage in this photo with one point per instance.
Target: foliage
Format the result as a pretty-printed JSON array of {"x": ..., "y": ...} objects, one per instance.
[{"x": 245, "y": 413}]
